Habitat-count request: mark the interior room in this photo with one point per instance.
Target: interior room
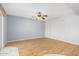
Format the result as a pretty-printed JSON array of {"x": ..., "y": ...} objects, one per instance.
[{"x": 39, "y": 29}]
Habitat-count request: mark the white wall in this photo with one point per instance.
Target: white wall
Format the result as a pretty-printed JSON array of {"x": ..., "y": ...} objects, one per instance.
[
  {"x": 65, "y": 29},
  {"x": 23, "y": 28},
  {"x": 0, "y": 31},
  {"x": 4, "y": 29}
]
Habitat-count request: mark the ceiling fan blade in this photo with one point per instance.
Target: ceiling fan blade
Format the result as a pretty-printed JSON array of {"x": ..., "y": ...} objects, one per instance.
[
  {"x": 43, "y": 18},
  {"x": 45, "y": 15}
]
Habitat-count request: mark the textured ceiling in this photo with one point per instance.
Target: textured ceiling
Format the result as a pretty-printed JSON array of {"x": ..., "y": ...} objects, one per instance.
[{"x": 53, "y": 10}]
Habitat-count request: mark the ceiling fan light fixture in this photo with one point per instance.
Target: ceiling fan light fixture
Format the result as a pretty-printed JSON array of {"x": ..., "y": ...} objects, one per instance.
[{"x": 40, "y": 16}]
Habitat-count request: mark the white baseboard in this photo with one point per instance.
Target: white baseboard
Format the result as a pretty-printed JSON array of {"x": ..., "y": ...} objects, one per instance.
[
  {"x": 24, "y": 39},
  {"x": 75, "y": 43},
  {"x": 44, "y": 37}
]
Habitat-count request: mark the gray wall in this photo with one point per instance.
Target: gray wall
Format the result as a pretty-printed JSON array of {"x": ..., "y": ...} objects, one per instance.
[
  {"x": 24, "y": 28},
  {"x": 65, "y": 29}
]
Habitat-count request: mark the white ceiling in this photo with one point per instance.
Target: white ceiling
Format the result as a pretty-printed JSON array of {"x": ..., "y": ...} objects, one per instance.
[
  {"x": 53, "y": 10},
  {"x": 75, "y": 7}
]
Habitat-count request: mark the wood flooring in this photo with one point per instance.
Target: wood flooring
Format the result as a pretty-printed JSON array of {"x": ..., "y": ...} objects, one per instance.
[{"x": 41, "y": 46}]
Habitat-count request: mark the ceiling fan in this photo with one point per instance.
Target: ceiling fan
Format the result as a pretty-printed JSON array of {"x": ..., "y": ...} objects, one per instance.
[{"x": 41, "y": 16}]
